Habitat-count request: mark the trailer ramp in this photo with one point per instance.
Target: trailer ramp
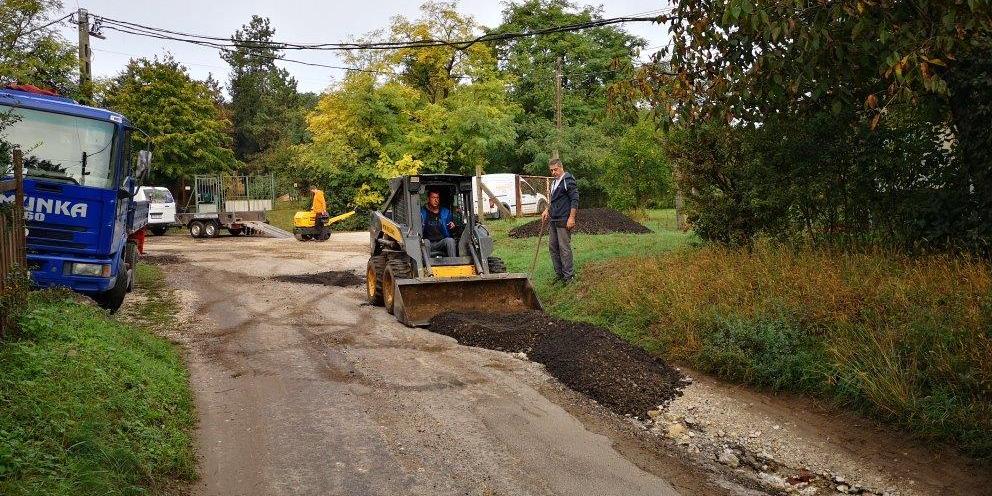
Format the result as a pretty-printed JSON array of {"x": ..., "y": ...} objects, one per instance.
[{"x": 267, "y": 230}]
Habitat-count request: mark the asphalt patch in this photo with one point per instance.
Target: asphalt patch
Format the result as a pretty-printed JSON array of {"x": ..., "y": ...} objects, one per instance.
[
  {"x": 588, "y": 221},
  {"x": 330, "y": 278},
  {"x": 584, "y": 357}
]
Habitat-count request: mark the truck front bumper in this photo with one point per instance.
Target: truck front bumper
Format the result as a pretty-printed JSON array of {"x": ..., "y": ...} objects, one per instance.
[{"x": 50, "y": 271}]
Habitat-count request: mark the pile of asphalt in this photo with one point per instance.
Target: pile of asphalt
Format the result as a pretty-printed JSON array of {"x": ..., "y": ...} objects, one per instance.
[
  {"x": 584, "y": 357},
  {"x": 588, "y": 221},
  {"x": 330, "y": 278}
]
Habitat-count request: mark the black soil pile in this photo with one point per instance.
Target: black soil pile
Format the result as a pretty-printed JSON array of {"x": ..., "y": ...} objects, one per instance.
[
  {"x": 586, "y": 358},
  {"x": 588, "y": 221},
  {"x": 329, "y": 278},
  {"x": 161, "y": 259}
]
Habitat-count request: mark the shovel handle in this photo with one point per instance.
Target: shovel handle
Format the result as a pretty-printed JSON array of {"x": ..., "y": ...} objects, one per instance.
[{"x": 537, "y": 248}]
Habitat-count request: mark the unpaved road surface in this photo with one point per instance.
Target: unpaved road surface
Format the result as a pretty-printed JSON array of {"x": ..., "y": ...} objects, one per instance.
[{"x": 304, "y": 389}]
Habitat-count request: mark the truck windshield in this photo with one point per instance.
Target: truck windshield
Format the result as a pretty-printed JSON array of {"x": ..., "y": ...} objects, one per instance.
[{"x": 62, "y": 147}]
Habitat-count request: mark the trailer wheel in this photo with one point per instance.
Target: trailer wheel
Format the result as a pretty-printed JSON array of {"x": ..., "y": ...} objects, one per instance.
[
  {"x": 373, "y": 279},
  {"x": 236, "y": 232},
  {"x": 210, "y": 230},
  {"x": 196, "y": 229},
  {"x": 496, "y": 265}
]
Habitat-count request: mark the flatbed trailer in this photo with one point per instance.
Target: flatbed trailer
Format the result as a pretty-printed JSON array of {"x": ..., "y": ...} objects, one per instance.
[{"x": 237, "y": 204}]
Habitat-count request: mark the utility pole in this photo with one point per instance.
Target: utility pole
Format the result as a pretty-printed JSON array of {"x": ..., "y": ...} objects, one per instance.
[
  {"x": 85, "y": 71},
  {"x": 554, "y": 153}
]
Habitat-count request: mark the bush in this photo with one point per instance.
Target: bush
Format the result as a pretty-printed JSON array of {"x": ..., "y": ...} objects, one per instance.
[{"x": 908, "y": 340}]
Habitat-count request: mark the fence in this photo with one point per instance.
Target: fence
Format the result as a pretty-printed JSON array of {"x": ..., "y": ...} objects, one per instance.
[
  {"x": 12, "y": 241},
  {"x": 225, "y": 193}
]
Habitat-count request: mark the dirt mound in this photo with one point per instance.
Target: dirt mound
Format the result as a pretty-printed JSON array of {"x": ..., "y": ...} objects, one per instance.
[
  {"x": 584, "y": 357},
  {"x": 588, "y": 221},
  {"x": 329, "y": 278},
  {"x": 161, "y": 259}
]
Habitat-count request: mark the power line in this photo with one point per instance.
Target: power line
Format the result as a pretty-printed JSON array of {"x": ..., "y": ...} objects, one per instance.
[
  {"x": 50, "y": 24},
  {"x": 220, "y": 43}
]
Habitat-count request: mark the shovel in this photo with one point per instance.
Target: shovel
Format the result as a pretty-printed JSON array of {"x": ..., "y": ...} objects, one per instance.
[{"x": 537, "y": 248}]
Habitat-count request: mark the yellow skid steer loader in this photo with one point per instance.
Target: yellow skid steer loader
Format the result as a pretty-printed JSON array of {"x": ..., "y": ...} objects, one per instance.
[{"x": 414, "y": 280}]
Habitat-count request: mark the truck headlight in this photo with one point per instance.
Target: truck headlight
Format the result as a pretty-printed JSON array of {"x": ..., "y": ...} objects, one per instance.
[{"x": 88, "y": 269}]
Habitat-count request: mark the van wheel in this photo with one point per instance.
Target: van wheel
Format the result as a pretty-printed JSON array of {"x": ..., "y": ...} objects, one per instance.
[
  {"x": 159, "y": 230},
  {"x": 196, "y": 229}
]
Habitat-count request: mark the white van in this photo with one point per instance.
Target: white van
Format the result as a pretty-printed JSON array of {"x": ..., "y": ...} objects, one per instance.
[
  {"x": 161, "y": 208},
  {"x": 504, "y": 187}
]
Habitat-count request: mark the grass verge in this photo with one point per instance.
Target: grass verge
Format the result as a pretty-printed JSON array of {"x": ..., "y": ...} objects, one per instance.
[
  {"x": 91, "y": 405},
  {"x": 907, "y": 340}
]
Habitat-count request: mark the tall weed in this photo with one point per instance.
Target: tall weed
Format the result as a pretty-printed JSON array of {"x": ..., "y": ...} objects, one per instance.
[{"x": 906, "y": 339}]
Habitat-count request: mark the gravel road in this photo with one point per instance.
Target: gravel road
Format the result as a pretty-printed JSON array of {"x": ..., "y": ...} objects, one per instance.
[{"x": 304, "y": 389}]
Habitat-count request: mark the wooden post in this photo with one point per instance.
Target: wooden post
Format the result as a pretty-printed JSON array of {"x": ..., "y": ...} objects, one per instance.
[
  {"x": 558, "y": 76},
  {"x": 679, "y": 222},
  {"x": 520, "y": 196},
  {"x": 85, "y": 72}
]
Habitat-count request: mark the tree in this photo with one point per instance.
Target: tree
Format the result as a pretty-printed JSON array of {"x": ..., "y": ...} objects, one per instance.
[
  {"x": 264, "y": 100},
  {"x": 187, "y": 128},
  {"x": 638, "y": 174},
  {"x": 592, "y": 60},
  {"x": 31, "y": 52},
  {"x": 860, "y": 119}
]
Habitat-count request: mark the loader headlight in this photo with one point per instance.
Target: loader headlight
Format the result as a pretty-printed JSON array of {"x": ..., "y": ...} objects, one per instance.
[{"x": 88, "y": 269}]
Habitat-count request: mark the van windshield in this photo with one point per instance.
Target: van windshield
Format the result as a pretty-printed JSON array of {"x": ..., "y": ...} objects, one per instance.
[
  {"x": 159, "y": 195},
  {"x": 60, "y": 147}
]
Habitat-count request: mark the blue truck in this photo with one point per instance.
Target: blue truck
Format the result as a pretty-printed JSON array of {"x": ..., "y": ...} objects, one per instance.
[{"x": 81, "y": 173}]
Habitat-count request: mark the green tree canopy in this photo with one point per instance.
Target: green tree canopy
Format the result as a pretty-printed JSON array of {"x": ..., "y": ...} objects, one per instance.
[
  {"x": 188, "y": 131},
  {"x": 30, "y": 52}
]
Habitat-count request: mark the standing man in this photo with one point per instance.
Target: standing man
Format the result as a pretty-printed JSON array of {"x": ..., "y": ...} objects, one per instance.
[
  {"x": 561, "y": 215},
  {"x": 318, "y": 207}
]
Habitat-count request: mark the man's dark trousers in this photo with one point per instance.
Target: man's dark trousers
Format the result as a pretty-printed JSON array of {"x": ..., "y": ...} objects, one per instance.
[{"x": 560, "y": 242}]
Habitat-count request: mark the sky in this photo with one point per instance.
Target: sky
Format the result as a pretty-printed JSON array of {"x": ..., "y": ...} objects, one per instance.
[{"x": 300, "y": 21}]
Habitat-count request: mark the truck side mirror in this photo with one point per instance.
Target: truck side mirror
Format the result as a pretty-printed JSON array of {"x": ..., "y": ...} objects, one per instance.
[{"x": 144, "y": 166}]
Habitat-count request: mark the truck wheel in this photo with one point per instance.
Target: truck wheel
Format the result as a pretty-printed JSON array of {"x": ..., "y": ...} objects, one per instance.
[
  {"x": 210, "y": 230},
  {"x": 196, "y": 229},
  {"x": 113, "y": 298},
  {"x": 159, "y": 230},
  {"x": 373, "y": 279},
  {"x": 496, "y": 265}
]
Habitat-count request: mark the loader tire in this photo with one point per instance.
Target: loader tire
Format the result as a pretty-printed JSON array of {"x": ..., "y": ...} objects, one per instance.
[
  {"x": 496, "y": 265},
  {"x": 396, "y": 268},
  {"x": 373, "y": 279}
]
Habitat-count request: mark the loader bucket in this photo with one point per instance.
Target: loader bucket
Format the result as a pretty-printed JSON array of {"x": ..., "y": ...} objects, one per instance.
[{"x": 418, "y": 300}]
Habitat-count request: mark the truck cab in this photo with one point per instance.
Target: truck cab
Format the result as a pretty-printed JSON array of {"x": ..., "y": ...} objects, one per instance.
[{"x": 81, "y": 174}]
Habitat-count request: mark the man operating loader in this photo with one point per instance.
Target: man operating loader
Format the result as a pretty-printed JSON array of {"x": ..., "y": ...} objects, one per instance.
[{"x": 438, "y": 223}]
